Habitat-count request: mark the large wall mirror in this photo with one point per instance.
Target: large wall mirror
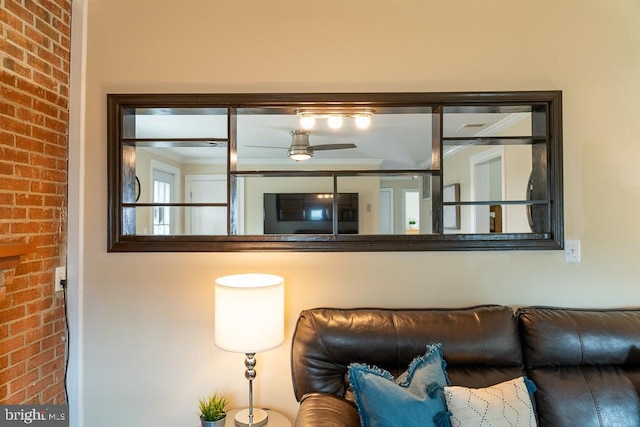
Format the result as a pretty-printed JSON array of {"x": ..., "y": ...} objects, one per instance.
[{"x": 335, "y": 172}]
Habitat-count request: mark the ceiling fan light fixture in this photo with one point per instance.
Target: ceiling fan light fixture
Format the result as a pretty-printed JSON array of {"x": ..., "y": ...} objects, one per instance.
[
  {"x": 334, "y": 121},
  {"x": 363, "y": 121},
  {"x": 335, "y": 116},
  {"x": 300, "y": 155},
  {"x": 307, "y": 121},
  {"x": 300, "y": 150}
]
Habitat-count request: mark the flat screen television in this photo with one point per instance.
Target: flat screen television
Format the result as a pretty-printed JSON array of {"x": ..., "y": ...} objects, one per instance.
[{"x": 309, "y": 213}]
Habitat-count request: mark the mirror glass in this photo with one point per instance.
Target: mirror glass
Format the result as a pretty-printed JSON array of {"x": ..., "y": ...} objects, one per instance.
[{"x": 292, "y": 170}]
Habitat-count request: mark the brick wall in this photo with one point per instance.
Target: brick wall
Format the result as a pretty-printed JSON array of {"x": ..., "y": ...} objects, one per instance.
[{"x": 34, "y": 96}]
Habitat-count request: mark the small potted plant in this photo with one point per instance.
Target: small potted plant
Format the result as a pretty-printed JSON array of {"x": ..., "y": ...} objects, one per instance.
[{"x": 213, "y": 410}]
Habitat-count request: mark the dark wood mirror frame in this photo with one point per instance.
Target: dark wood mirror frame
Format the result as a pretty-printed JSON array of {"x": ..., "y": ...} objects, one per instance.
[{"x": 545, "y": 209}]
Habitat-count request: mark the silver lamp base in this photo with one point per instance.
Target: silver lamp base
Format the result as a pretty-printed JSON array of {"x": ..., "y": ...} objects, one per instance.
[{"x": 260, "y": 418}]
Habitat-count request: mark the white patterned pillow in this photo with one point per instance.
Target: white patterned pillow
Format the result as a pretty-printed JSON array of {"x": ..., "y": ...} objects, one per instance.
[{"x": 507, "y": 404}]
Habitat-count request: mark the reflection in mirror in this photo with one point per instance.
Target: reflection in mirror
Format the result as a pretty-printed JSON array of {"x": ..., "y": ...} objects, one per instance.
[
  {"x": 256, "y": 171},
  {"x": 270, "y": 208},
  {"x": 395, "y": 139}
]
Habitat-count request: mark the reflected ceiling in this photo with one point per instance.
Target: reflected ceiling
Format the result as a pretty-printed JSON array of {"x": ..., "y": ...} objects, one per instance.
[{"x": 394, "y": 141}]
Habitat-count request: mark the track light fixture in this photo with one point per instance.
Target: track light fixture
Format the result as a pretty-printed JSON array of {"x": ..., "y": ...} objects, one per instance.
[{"x": 335, "y": 116}]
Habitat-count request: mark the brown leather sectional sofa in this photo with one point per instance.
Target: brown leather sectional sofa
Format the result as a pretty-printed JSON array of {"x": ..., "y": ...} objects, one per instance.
[{"x": 585, "y": 363}]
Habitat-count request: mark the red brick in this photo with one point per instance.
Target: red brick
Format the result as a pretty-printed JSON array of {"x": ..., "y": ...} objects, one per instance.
[
  {"x": 15, "y": 371},
  {"x": 7, "y": 78},
  {"x": 51, "y": 366},
  {"x": 54, "y": 175},
  {"x": 34, "y": 88},
  {"x": 51, "y": 58},
  {"x": 25, "y": 323},
  {"x": 10, "y": 314},
  {"x": 45, "y": 108},
  {"x": 37, "y": 213},
  {"x": 11, "y": 20},
  {"x": 17, "y": 68},
  {"x": 21, "y": 40},
  {"x": 50, "y": 342},
  {"x": 16, "y": 126},
  {"x": 29, "y": 144},
  {"x": 56, "y": 125},
  {"x": 10, "y": 154},
  {"x": 39, "y": 386},
  {"x": 16, "y": 398},
  {"x": 25, "y": 296},
  {"x": 45, "y": 80},
  {"x": 7, "y": 109},
  {"x": 7, "y": 139},
  {"x": 13, "y": 96},
  {"x": 29, "y": 200},
  {"x": 4, "y": 231},
  {"x": 45, "y": 135},
  {"x": 24, "y": 227},
  {"x": 39, "y": 64},
  {"x": 6, "y": 168},
  {"x": 15, "y": 185},
  {"x": 23, "y": 353},
  {"x": 11, "y": 50},
  {"x": 27, "y": 172},
  {"x": 30, "y": 88},
  {"x": 16, "y": 9},
  {"x": 56, "y": 151},
  {"x": 43, "y": 187},
  {"x": 40, "y": 359},
  {"x": 39, "y": 306},
  {"x": 54, "y": 395},
  {"x": 38, "y": 10},
  {"x": 9, "y": 344},
  {"x": 53, "y": 315},
  {"x": 23, "y": 381},
  {"x": 4, "y": 362}
]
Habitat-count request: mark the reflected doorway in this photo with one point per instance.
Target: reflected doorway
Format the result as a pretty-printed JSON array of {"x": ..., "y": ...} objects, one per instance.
[
  {"x": 411, "y": 209},
  {"x": 487, "y": 184},
  {"x": 386, "y": 211}
]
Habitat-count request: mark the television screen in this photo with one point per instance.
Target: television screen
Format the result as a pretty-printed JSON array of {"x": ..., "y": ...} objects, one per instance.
[{"x": 309, "y": 213}]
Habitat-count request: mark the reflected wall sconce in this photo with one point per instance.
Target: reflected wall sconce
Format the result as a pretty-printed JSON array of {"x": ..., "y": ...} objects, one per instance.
[{"x": 335, "y": 116}]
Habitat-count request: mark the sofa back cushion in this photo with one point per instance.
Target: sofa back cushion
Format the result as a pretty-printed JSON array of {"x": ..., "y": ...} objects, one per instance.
[
  {"x": 480, "y": 344},
  {"x": 585, "y": 363}
]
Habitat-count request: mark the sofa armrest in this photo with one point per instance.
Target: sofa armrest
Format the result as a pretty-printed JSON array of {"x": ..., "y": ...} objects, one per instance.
[{"x": 326, "y": 410}]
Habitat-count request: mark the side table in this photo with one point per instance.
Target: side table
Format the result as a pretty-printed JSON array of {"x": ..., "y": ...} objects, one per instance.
[{"x": 276, "y": 419}]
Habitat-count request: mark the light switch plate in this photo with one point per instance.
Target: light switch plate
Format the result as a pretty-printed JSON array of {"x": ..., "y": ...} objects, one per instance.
[{"x": 572, "y": 251}]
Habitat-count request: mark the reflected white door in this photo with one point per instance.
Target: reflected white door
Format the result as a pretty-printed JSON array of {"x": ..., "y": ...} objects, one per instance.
[
  {"x": 386, "y": 211},
  {"x": 208, "y": 220}
]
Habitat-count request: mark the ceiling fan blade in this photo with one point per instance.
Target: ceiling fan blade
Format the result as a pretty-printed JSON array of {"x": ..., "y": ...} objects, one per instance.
[
  {"x": 266, "y": 146},
  {"x": 332, "y": 147}
]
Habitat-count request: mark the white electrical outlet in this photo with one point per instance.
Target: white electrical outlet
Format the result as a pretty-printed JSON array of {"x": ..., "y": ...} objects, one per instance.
[
  {"x": 572, "y": 251},
  {"x": 60, "y": 275}
]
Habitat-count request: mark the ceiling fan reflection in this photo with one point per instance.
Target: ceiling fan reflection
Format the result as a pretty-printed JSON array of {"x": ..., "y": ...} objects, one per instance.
[{"x": 301, "y": 150}]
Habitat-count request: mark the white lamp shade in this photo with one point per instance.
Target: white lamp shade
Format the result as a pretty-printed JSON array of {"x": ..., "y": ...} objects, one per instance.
[{"x": 249, "y": 312}]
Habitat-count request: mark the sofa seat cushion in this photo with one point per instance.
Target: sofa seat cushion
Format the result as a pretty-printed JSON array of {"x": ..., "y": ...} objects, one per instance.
[{"x": 414, "y": 398}]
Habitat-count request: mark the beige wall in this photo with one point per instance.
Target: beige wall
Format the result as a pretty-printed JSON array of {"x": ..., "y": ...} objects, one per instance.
[{"x": 148, "y": 318}]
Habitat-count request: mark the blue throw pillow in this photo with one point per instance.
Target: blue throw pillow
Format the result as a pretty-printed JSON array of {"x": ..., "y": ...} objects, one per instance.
[{"x": 414, "y": 398}]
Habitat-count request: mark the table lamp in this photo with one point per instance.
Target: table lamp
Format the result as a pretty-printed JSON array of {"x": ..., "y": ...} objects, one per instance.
[{"x": 249, "y": 317}]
